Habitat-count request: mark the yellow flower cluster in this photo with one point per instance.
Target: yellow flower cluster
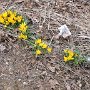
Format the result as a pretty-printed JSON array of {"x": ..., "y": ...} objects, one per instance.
[
  {"x": 23, "y": 28},
  {"x": 12, "y": 20},
  {"x": 22, "y": 36},
  {"x": 42, "y": 46},
  {"x": 9, "y": 17},
  {"x": 69, "y": 55}
]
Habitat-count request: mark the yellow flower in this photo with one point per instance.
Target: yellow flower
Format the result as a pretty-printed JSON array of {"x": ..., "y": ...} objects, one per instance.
[
  {"x": 22, "y": 36},
  {"x": 23, "y": 27},
  {"x": 5, "y": 14},
  {"x": 38, "y": 41},
  {"x": 19, "y": 18},
  {"x": 68, "y": 58},
  {"x": 70, "y": 55},
  {"x": 41, "y": 44},
  {"x": 49, "y": 49},
  {"x": 9, "y": 12},
  {"x": 38, "y": 52},
  {"x": 14, "y": 13},
  {"x": 13, "y": 16},
  {"x": 1, "y": 19},
  {"x": 11, "y": 20},
  {"x": 7, "y": 23},
  {"x": 65, "y": 59},
  {"x": 44, "y": 45},
  {"x": 66, "y": 50}
]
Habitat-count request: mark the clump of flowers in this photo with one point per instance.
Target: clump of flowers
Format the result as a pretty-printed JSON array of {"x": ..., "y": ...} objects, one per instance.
[
  {"x": 41, "y": 47},
  {"x": 68, "y": 55},
  {"x": 23, "y": 31},
  {"x": 74, "y": 56},
  {"x": 12, "y": 19},
  {"x": 23, "y": 27}
]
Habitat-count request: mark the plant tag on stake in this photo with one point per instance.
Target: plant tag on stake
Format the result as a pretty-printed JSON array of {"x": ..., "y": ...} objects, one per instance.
[
  {"x": 64, "y": 31},
  {"x": 88, "y": 59}
]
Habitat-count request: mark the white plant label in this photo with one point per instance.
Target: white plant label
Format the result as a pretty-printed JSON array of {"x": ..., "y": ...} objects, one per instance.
[
  {"x": 64, "y": 31},
  {"x": 88, "y": 59}
]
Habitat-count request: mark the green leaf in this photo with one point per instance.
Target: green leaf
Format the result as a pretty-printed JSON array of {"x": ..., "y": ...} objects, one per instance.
[
  {"x": 76, "y": 62},
  {"x": 77, "y": 51},
  {"x": 31, "y": 43}
]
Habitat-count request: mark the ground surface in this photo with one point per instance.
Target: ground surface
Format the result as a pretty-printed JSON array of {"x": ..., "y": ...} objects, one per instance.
[{"x": 20, "y": 70}]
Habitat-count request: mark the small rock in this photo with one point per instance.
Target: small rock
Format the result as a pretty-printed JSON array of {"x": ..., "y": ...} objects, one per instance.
[
  {"x": 19, "y": 79},
  {"x": 80, "y": 85},
  {"x": 51, "y": 68},
  {"x": 25, "y": 83},
  {"x": 2, "y": 48},
  {"x": 44, "y": 73},
  {"x": 7, "y": 63},
  {"x": 68, "y": 86}
]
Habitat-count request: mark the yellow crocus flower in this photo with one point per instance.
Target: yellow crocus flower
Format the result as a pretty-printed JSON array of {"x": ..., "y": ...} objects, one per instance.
[
  {"x": 66, "y": 50},
  {"x": 38, "y": 52},
  {"x": 69, "y": 52},
  {"x": 70, "y": 55},
  {"x": 49, "y": 49},
  {"x": 22, "y": 36},
  {"x": 23, "y": 27},
  {"x": 12, "y": 16},
  {"x": 5, "y": 14},
  {"x": 9, "y": 12},
  {"x": 38, "y": 41},
  {"x": 19, "y": 18},
  {"x": 1, "y": 19},
  {"x": 11, "y": 20},
  {"x": 41, "y": 44},
  {"x": 68, "y": 58},
  {"x": 7, "y": 23},
  {"x": 65, "y": 59},
  {"x": 44, "y": 45}
]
